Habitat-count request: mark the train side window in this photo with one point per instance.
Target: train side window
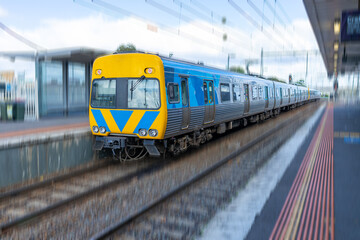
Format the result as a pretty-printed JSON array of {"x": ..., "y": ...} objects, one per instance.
[
  {"x": 211, "y": 92},
  {"x": 205, "y": 93},
  {"x": 236, "y": 92},
  {"x": 225, "y": 92},
  {"x": 184, "y": 93},
  {"x": 246, "y": 92},
  {"x": 173, "y": 93},
  {"x": 260, "y": 93},
  {"x": 254, "y": 92}
]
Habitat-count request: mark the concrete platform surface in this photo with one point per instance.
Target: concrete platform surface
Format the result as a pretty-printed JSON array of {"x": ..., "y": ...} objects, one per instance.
[
  {"x": 13, "y": 127},
  {"x": 15, "y": 133}
]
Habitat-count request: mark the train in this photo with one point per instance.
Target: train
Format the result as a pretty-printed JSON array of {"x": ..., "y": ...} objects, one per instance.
[{"x": 146, "y": 104}]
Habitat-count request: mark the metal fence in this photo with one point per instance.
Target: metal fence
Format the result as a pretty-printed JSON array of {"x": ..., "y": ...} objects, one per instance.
[{"x": 26, "y": 92}]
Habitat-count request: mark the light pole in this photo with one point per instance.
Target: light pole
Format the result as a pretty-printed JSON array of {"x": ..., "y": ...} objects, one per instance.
[{"x": 230, "y": 55}]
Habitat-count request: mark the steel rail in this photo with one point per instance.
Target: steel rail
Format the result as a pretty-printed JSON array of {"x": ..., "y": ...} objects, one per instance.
[
  {"x": 56, "y": 206},
  {"x": 50, "y": 181}
]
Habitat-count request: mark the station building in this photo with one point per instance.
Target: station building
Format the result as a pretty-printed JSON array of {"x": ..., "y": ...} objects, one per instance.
[{"x": 62, "y": 78}]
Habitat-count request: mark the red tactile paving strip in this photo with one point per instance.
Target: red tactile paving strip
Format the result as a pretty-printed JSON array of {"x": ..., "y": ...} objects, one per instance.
[
  {"x": 43, "y": 130},
  {"x": 308, "y": 211}
]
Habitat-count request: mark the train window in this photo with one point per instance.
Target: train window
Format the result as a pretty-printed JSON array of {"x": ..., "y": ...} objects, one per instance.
[
  {"x": 143, "y": 94},
  {"x": 205, "y": 93},
  {"x": 211, "y": 92},
  {"x": 292, "y": 92},
  {"x": 225, "y": 92},
  {"x": 254, "y": 92},
  {"x": 260, "y": 93},
  {"x": 246, "y": 92},
  {"x": 269, "y": 93},
  {"x": 104, "y": 93},
  {"x": 173, "y": 93},
  {"x": 184, "y": 93},
  {"x": 236, "y": 92}
]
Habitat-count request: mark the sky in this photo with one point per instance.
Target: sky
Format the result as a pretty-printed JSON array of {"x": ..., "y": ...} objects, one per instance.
[{"x": 192, "y": 30}]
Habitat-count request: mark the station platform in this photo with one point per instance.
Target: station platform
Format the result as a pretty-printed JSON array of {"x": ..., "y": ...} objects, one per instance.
[
  {"x": 316, "y": 197},
  {"x": 15, "y": 129},
  {"x": 32, "y": 150}
]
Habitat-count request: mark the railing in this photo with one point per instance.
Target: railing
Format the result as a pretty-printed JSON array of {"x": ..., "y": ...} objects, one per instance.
[{"x": 23, "y": 92}]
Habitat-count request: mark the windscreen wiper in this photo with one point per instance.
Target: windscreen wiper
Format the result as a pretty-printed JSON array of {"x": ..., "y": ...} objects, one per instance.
[{"x": 137, "y": 83}]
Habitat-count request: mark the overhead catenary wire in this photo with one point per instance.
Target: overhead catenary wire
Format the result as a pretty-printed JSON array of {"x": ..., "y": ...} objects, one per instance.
[
  {"x": 115, "y": 9},
  {"x": 192, "y": 10},
  {"x": 274, "y": 12},
  {"x": 268, "y": 21},
  {"x": 253, "y": 22},
  {"x": 212, "y": 13},
  {"x": 192, "y": 22},
  {"x": 235, "y": 33},
  {"x": 282, "y": 9},
  {"x": 175, "y": 14},
  {"x": 195, "y": 12},
  {"x": 289, "y": 30},
  {"x": 21, "y": 38}
]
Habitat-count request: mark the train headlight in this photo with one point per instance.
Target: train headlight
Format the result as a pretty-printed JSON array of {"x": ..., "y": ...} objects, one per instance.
[
  {"x": 95, "y": 129},
  {"x": 102, "y": 130},
  {"x": 142, "y": 132},
  {"x": 153, "y": 132}
]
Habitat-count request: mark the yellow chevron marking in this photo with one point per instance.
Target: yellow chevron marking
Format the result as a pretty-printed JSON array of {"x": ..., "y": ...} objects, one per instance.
[
  {"x": 110, "y": 121},
  {"x": 133, "y": 121}
]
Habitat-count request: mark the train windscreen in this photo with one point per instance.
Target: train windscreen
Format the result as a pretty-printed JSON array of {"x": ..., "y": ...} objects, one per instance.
[{"x": 144, "y": 94}]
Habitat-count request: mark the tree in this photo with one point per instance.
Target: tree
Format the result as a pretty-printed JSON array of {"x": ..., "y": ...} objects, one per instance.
[
  {"x": 301, "y": 82},
  {"x": 275, "y": 79},
  {"x": 126, "y": 48},
  {"x": 237, "y": 69}
]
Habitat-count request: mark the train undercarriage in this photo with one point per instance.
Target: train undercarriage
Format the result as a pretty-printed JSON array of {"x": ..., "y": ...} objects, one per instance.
[{"x": 127, "y": 148}]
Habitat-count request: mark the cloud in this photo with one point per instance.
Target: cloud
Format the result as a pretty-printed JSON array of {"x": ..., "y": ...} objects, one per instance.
[
  {"x": 195, "y": 41},
  {"x": 3, "y": 12}
]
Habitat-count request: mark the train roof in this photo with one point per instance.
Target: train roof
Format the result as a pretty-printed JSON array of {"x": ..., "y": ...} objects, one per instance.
[{"x": 201, "y": 64}]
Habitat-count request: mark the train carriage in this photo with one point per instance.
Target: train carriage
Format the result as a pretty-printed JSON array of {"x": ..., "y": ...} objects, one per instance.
[{"x": 143, "y": 103}]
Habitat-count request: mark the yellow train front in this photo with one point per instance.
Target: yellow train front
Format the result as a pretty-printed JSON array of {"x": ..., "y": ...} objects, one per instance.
[{"x": 127, "y": 110}]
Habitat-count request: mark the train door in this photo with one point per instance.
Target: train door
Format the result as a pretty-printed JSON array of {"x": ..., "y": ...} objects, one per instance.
[
  {"x": 281, "y": 96},
  {"x": 266, "y": 97},
  {"x": 289, "y": 95},
  {"x": 209, "y": 100},
  {"x": 246, "y": 100},
  {"x": 185, "y": 103}
]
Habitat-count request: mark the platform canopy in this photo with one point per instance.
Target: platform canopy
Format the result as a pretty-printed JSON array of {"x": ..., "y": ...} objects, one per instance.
[
  {"x": 76, "y": 54},
  {"x": 340, "y": 52}
]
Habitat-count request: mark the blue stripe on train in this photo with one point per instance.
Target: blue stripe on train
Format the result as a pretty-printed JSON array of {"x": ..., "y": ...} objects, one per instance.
[
  {"x": 100, "y": 121},
  {"x": 146, "y": 121},
  {"x": 121, "y": 118}
]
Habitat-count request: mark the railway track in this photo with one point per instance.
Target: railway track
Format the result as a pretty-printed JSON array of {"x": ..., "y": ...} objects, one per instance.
[
  {"x": 28, "y": 203},
  {"x": 172, "y": 210},
  {"x": 180, "y": 213}
]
